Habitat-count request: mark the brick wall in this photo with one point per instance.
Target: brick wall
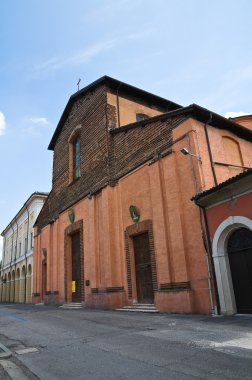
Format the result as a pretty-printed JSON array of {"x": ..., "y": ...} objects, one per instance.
[
  {"x": 105, "y": 155},
  {"x": 135, "y": 146},
  {"x": 89, "y": 112}
]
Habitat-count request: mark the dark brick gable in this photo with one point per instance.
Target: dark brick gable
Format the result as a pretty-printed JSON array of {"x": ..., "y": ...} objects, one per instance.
[
  {"x": 105, "y": 157},
  {"x": 90, "y": 113}
]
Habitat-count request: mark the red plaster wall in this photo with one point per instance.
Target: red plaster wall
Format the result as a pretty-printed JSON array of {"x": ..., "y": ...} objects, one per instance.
[{"x": 217, "y": 214}]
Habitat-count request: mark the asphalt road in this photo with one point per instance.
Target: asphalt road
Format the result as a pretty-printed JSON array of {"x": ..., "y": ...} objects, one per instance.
[{"x": 104, "y": 345}]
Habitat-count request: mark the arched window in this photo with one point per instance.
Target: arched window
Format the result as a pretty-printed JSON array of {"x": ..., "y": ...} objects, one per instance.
[
  {"x": 76, "y": 158},
  {"x": 232, "y": 154},
  {"x": 74, "y": 155}
]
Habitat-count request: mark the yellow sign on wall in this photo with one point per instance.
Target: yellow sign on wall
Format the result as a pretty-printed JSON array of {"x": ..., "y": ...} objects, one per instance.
[{"x": 73, "y": 286}]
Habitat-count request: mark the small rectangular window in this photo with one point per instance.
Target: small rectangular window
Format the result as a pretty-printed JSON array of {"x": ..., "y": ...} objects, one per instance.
[{"x": 141, "y": 116}]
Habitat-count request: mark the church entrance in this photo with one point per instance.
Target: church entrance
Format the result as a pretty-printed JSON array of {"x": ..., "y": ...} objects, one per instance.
[
  {"x": 239, "y": 249},
  {"x": 76, "y": 267},
  {"x": 144, "y": 283}
]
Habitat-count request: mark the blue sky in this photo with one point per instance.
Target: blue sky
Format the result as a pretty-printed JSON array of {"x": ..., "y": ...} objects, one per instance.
[{"x": 193, "y": 51}]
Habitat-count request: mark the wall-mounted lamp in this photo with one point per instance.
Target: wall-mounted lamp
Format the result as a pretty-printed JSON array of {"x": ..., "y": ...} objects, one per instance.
[{"x": 186, "y": 151}]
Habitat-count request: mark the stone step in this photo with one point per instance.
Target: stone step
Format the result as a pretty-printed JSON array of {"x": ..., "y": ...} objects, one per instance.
[
  {"x": 143, "y": 308},
  {"x": 138, "y": 310},
  {"x": 143, "y": 305},
  {"x": 72, "y": 305}
]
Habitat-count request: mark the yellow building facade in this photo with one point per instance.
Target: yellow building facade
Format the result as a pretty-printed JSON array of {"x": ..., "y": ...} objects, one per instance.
[{"x": 17, "y": 257}]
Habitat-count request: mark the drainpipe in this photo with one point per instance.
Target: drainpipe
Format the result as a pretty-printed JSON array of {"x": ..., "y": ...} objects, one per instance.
[
  {"x": 118, "y": 106},
  {"x": 15, "y": 260},
  {"x": 209, "y": 149},
  {"x": 210, "y": 265},
  {"x": 26, "y": 248}
]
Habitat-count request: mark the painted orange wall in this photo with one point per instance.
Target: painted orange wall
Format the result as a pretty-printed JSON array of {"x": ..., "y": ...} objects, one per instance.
[
  {"x": 161, "y": 191},
  {"x": 246, "y": 121},
  {"x": 129, "y": 109},
  {"x": 197, "y": 145},
  {"x": 156, "y": 191}
]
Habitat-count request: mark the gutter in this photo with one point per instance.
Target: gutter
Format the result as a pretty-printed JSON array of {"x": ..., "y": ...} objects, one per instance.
[{"x": 209, "y": 149}]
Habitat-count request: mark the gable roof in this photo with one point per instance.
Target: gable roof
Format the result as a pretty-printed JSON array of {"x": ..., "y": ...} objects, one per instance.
[
  {"x": 198, "y": 113},
  {"x": 114, "y": 84}
]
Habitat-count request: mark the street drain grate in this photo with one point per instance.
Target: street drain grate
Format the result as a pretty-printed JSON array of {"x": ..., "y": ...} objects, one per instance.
[{"x": 26, "y": 351}]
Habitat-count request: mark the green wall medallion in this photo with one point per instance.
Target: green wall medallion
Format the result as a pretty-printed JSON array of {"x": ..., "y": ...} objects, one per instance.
[
  {"x": 71, "y": 215},
  {"x": 134, "y": 213}
]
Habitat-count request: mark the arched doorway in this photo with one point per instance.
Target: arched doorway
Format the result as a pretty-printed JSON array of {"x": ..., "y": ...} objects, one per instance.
[
  {"x": 28, "y": 285},
  {"x": 22, "y": 285},
  {"x": 12, "y": 286},
  {"x": 8, "y": 289},
  {"x": 4, "y": 289},
  {"x": 221, "y": 259},
  {"x": 17, "y": 285},
  {"x": 44, "y": 278},
  {"x": 239, "y": 248}
]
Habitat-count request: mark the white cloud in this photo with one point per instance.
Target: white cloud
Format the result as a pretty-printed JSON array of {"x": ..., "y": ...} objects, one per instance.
[
  {"x": 39, "y": 120},
  {"x": 32, "y": 130},
  {"x": 35, "y": 125},
  {"x": 2, "y": 124},
  {"x": 234, "y": 114},
  {"x": 76, "y": 59},
  {"x": 90, "y": 52}
]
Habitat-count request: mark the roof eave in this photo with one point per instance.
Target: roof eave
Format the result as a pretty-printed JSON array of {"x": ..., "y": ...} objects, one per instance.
[
  {"x": 28, "y": 201},
  {"x": 114, "y": 83}
]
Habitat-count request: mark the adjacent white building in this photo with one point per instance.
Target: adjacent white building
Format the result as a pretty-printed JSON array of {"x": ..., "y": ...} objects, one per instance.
[{"x": 17, "y": 257}]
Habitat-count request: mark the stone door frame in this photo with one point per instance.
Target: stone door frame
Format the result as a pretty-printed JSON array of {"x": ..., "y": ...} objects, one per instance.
[{"x": 221, "y": 261}]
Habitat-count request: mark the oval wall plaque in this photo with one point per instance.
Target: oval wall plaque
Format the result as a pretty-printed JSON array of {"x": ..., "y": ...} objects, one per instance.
[
  {"x": 71, "y": 215},
  {"x": 134, "y": 213}
]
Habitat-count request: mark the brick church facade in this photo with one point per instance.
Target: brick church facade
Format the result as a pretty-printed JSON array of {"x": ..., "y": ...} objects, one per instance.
[{"x": 118, "y": 227}]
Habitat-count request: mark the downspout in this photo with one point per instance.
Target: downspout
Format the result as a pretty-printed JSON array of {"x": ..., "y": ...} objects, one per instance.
[
  {"x": 118, "y": 105},
  {"x": 15, "y": 260},
  {"x": 210, "y": 265},
  {"x": 26, "y": 248},
  {"x": 209, "y": 149}
]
